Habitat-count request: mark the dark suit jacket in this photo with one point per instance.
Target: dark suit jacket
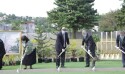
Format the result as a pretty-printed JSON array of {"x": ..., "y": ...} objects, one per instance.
[
  {"x": 60, "y": 41},
  {"x": 120, "y": 43},
  {"x": 90, "y": 44},
  {"x": 2, "y": 49}
]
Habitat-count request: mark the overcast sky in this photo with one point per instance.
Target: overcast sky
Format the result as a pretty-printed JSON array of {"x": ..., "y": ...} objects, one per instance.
[{"x": 38, "y": 8}]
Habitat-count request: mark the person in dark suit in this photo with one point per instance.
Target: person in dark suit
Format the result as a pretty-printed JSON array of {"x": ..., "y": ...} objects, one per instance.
[
  {"x": 90, "y": 46},
  {"x": 29, "y": 56},
  {"x": 120, "y": 42},
  {"x": 61, "y": 43},
  {"x": 2, "y": 52}
]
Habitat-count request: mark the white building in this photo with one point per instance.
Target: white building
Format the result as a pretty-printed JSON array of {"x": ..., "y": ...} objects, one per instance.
[
  {"x": 28, "y": 27},
  {"x": 6, "y": 27}
]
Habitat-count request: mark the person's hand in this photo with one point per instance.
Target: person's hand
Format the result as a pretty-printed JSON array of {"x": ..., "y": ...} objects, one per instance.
[
  {"x": 22, "y": 57},
  {"x": 63, "y": 50},
  {"x": 82, "y": 46},
  {"x": 89, "y": 51},
  {"x": 117, "y": 47}
]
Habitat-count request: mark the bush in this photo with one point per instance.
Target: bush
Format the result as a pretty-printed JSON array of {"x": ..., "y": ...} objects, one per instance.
[
  {"x": 40, "y": 60},
  {"x": 81, "y": 59},
  {"x": 47, "y": 60},
  {"x": 96, "y": 37},
  {"x": 68, "y": 60},
  {"x": 73, "y": 59}
]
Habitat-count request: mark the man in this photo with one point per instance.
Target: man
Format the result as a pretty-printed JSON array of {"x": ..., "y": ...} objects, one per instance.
[
  {"x": 61, "y": 43},
  {"x": 2, "y": 52},
  {"x": 120, "y": 42},
  {"x": 89, "y": 46}
]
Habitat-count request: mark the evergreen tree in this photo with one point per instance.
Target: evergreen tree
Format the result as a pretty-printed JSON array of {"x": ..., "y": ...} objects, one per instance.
[
  {"x": 107, "y": 20},
  {"x": 74, "y": 14},
  {"x": 41, "y": 37},
  {"x": 121, "y": 17}
]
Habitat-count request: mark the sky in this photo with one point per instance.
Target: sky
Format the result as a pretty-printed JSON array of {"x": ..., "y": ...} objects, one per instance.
[{"x": 39, "y": 8}]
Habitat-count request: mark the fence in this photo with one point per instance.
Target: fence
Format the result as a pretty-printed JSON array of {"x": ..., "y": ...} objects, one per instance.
[{"x": 106, "y": 46}]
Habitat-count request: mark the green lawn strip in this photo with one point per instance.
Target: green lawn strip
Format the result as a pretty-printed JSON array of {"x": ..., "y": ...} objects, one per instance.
[
  {"x": 109, "y": 64},
  {"x": 99, "y": 64}
]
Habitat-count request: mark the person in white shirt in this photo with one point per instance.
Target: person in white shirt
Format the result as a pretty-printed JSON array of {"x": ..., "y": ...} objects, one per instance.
[{"x": 61, "y": 43}]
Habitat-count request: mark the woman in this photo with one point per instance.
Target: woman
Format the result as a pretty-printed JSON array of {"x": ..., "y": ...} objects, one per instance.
[{"x": 29, "y": 56}]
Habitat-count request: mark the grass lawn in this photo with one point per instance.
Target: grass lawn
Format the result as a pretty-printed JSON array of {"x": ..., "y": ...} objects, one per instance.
[{"x": 99, "y": 64}]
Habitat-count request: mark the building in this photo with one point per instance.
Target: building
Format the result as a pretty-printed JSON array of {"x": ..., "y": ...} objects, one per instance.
[
  {"x": 28, "y": 27},
  {"x": 5, "y": 27}
]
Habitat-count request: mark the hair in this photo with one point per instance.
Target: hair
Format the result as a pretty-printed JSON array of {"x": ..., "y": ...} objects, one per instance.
[
  {"x": 25, "y": 38},
  {"x": 63, "y": 28},
  {"x": 88, "y": 32}
]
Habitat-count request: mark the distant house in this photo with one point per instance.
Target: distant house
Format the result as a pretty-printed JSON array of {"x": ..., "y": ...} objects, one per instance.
[
  {"x": 28, "y": 27},
  {"x": 3, "y": 17},
  {"x": 5, "y": 27}
]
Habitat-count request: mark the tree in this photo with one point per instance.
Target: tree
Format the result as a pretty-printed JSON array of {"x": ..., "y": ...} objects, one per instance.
[
  {"x": 14, "y": 20},
  {"x": 108, "y": 21},
  {"x": 121, "y": 17},
  {"x": 41, "y": 37},
  {"x": 1, "y": 14},
  {"x": 74, "y": 14}
]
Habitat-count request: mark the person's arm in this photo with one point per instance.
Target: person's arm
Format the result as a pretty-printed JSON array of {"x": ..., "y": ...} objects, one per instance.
[
  {"x": 117, "y": 40},
  {"x": 83, "y": 40},
  {"x": 2, "y": 51},
  {"x": 123, "y": 44},
  {"x": 29, "y": 48},
  {"x": 67, "y": 39}
]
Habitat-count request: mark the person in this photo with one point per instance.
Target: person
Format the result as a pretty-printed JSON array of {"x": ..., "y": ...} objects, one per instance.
[
  {"x": 61, "y": 44},
  {"x": 29, "y": 56},
  {"x": 120, "y": 42},
  {"x": 2, "y": 52},
  {"x": 90, "y": 46}
]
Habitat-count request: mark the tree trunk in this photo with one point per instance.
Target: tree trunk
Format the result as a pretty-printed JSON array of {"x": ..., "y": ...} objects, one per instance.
[
  {"x": 73, "y": 53},
  {"x": 74, "y": 34}
]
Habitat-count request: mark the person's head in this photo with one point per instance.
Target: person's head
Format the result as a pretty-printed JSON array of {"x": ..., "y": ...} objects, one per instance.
[
  {"x": 63, "y": 30},
  {"x": 86, "y": 33},
  {"x": 122, "y": 33},
  {"x": 24, "y": 38}
]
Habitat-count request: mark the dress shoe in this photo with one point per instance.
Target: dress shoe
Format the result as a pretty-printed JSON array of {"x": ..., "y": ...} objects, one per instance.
[
  {"x": 25, "y": 67},
  {"x": 62, "y": 66},
  {"x": 87, "y": 66}
]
